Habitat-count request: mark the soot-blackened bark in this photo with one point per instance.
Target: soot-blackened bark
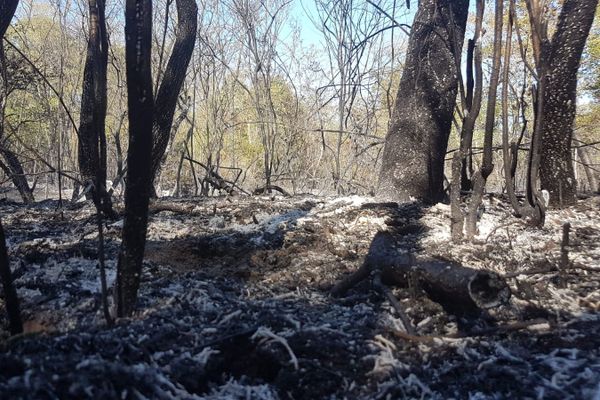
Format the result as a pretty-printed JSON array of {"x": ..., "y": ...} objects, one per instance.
[
  {"x": 7, "y": 11},
  {"x": 10, "y": 294},
  {"x": 459, "y": 289},
  {"x": 92, "y": 135},
  {"x": 13, "y": 168},
  {"x": 11, "y": 165},
  {"x": 560, "y": 62},
  {"x": 480, "y": 177},
  {"x": 166, "y": 98},
  {"x": 138, "y": 43},
  {"x": 415, "y": 147}
]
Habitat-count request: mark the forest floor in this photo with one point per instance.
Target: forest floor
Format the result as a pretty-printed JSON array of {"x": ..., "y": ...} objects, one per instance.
[{"x": 234, "y": 304}]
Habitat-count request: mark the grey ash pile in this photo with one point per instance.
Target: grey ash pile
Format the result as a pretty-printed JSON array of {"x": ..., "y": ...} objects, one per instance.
[{"x": 235, "y": 304}]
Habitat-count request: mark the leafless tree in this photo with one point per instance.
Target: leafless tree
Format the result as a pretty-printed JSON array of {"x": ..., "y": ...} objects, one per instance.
[
  {"x": 138, "y": 37},
  {"x": 172, "y": 81},
  {"x": 348, "y": 29},
  {"x": 92, "y": 134},
  {"x": 7, "y": 10},
  {"x": 261, "y": 24}
]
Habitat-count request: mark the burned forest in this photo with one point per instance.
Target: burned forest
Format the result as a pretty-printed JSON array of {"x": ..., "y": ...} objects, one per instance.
[{"x": 299, "y": 199}]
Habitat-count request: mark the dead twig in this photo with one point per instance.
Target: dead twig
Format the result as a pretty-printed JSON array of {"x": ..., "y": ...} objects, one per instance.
[
  {"x": 564, "y": 253},
  {"x": 494, "y": 330},
  {"x": 378, "y": 284}
]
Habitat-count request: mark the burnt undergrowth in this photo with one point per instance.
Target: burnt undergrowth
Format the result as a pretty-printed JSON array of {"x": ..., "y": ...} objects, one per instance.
[{"x": 235, "y": 303}]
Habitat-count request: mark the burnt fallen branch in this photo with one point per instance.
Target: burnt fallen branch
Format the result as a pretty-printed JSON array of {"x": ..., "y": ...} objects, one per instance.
[
  {"x": 217, "y": 181},
  {"x": 459, "y": 289},
  {"x": 494, "y": 330},
  {"x": 379, "y": 285},
  {"x": 269, "y": 189}
]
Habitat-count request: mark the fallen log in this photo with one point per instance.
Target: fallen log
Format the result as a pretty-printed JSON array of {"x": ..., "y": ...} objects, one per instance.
[
  {"x": 457, "y": 288},
  {"x": 269, "y": 188}
]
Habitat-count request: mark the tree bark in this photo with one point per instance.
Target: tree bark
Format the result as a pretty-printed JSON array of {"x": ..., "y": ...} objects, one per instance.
[
  {"x": 459, "y": 289},
  {"x": 560, "y": 61},
  {"x": 173, "y": 78},
  {"x": 480, "y": 178},
  {"x": 462, "y": 171},
  {"x": 415, "y": 147},
  {"x": 7, "y": 11},
  {"x": 509, "y": 158},
  {"x": 138, "y": 40},
  {"x": 92, "y": 135},
  {"x": 10, "y": 294},
  {"x": 12, "y": 168}
]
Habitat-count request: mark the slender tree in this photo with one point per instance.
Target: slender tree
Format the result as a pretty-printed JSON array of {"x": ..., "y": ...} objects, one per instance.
[
  {"x": 138, "y": 37},
  {"x": 92, "y": 135},
  {"x": 172, "y": 82},
  {"x": 462, "y": 160},
  {"x": 7, "y": 10},
  {"x": 415, "y": 146},
  {"x": 480, "y": 177},
  {"x": 344, "y": 25}
]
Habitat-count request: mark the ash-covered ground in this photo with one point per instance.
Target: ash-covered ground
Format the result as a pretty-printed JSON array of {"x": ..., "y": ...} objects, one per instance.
[{"x": 235, "y": 304}]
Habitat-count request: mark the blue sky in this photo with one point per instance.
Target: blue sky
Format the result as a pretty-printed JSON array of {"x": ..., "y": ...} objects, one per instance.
[{"x": 311, "y": 35}]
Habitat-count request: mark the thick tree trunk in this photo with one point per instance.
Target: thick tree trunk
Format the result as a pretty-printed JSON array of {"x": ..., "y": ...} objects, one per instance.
[
  {"x": 138, "y": 44},
  {"x": 168, "y": 92},
  {"x": 92, "y": 135},
  {"x": 415, "y": 148},
  {"x": 7, "y": 11},
  {"x": 560, "y": 62}
]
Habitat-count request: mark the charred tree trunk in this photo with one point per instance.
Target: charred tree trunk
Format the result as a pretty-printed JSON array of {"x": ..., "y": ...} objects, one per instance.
[
  {"x": 174, "y": 128},
  {"x": 480, "y": 178},
  {"x": 92, "y": 135},
  {"x": 7, "y": 10},
  {"x": 509, "y": 157},
  {"x": 11, "y": 166},
  {"x": 534, "y": 208},
  {"x": 415, "y": 147},
  {"x": 559, "y": 61},
  {"x": 461, "y": 164},
  {"x": 174, "y": 75},
  {"x": 10, "y": 294},
  {"x": 138, "y": 40}
]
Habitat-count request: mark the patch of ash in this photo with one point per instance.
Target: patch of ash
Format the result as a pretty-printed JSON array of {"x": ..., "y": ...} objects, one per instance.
[{"x": 234, "y": 303}]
